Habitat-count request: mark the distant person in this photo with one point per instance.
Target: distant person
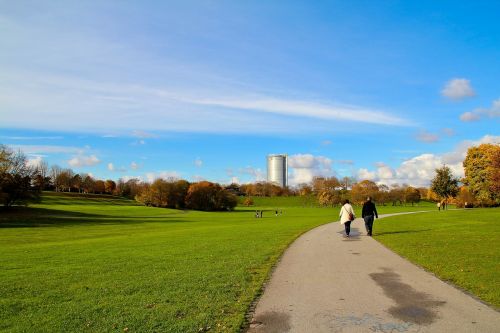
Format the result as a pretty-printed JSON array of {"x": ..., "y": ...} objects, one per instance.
[
  {"x": 346, "y": 217},
  {"x": 439, "y": 206},
  {"x": 276, "y": 212},
  {"x": 369, "y": 213},
  {"x": 261, "y": 214}
]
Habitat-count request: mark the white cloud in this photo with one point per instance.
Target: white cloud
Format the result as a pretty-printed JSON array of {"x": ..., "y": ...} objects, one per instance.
[
  {"x": 304, "y": 167},
  {"x": 48, "y": 149},
  {"x": 151, "y": 176},
  {"x": 458, "y": 89},
  {"x": 32, "y": 137},
  {"x": 234, "y": 180},
  {"x": 34, "y": 162},
  {"x": 256, "y": 173},
  {"x": 448, "y": 131},
  {"x": 198, "y": 162},
  {"x": 326, "y": 142},
  {"x": 427, "y": 137},
  {"x": 419, "y": 170},
  {"x": 111, "y": 167},
  {"x": 310, "y": 109},
  {"x": 197, "y": 178},
  {"x": 46, "y": 99},
  {"x": 134, "y": 166},
  {"x": 83, "y": 161},
  {"x": 143, "y": 134},
  {"x": 469, "y": 116},
  {"x": 477, "y": 114}
]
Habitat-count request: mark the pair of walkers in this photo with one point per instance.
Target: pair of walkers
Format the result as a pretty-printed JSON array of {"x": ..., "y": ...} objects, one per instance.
[{"x": 369, "y": 213}]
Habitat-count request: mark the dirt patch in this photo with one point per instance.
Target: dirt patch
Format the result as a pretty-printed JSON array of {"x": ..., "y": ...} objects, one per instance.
[
  {"x": 411, "y": 305},
  {"x": 270, "y": 322}
]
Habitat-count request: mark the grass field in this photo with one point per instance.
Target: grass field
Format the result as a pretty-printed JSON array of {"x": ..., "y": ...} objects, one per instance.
[
  {"x": 462, "y": 246},
  {"x": 104, "y": 264}
]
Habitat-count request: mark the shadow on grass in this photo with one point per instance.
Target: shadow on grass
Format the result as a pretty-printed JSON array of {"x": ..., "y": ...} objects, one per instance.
[
  {"x": 28, "y": 217},
  {"x": 400, "y": 232}
]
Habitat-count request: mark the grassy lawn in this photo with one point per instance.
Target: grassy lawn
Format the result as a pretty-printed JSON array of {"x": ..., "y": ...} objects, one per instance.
[
  {"x": 101, "y": 264},
  {"x": 461, "y": 246},
  {"x": 104, "y": 264}
]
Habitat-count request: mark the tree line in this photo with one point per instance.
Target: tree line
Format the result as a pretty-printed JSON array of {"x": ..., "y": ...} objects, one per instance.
[{"x": 21, "y": 182}]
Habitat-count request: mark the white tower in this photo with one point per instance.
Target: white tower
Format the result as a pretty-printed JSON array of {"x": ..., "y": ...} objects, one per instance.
[{"x": 277, "y": 169}]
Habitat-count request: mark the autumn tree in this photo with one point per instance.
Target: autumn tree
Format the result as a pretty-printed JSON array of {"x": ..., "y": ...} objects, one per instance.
[
  {"x": 482, "y": 172},
  {"x": 209, "y": 197},
  {"x": 465, "y": 197},
  {"x": 412, "y": 195},
  {"x": 444, "y": 184},
  {"x": 109, "y": 186},
  {"x": 248, "y": 201},
  {"x": 77, "y": 182},
  {"x": 99, "y": 186},
  {"x": 362, "y": 190}
]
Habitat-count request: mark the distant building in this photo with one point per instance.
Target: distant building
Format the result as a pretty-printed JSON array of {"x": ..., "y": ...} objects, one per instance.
[{"x": 277, "y": 169}]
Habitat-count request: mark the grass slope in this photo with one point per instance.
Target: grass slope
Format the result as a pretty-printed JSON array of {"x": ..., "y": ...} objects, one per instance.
[
  {"x": 75, "y": 263},
  {"x": 90, "y": 263},
  {"x": 461, "y": 246}
]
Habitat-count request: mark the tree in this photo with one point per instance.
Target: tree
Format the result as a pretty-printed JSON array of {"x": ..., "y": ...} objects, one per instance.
[
  {"x": 55, "y": 170},
  {"x": 362, "y": 190},
  {"x": 412, "y": 195},
  {"x": 77, "y": 182},
  {"x": 444, "y": 184},
  {"x": 482, "y": 172},
  {"x": 15, "y": 178},
  {"x": 209, "y": 197},
  {"x": 109, "y": 186},
  {"x": 248, "y": 201},
  {"x": 99, "y": 186},
  {"x": 465, "y": 198},
  {"x": 88, "y": 183}
]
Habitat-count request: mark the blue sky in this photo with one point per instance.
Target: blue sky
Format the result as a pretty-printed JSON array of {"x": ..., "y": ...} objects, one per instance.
[{"x": 384, "y": 90}]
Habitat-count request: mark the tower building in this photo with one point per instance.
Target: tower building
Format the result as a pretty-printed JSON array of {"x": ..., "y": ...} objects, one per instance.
[{"x": 277, "y": 169}]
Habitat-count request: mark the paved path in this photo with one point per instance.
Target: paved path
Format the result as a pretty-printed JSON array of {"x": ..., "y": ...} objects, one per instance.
[{"x": 327, "y": 283}]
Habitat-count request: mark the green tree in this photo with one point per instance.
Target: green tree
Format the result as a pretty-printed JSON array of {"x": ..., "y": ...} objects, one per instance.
[
  {"x": 481, "y": 173},
  {"x": 444, "y": 184},
  {"x": 15, "y": 178}
]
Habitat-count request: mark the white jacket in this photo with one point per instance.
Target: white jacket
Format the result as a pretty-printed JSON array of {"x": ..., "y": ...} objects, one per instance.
[{"x": 344, "y": 213}]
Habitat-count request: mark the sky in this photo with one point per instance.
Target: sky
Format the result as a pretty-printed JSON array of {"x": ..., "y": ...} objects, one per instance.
[{"x": 379, "y": 90}]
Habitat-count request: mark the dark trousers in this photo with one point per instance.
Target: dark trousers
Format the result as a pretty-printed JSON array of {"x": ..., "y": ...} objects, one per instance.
[
  {"x": 369, "y": 223},
  {"x": 347, "y": 227}
]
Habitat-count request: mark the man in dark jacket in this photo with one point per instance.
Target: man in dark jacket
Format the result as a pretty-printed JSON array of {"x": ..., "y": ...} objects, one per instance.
[{"x": 368, "y": 214}]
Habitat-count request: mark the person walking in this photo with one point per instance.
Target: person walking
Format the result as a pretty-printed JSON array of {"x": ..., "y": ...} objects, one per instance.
[
  {"x": 369, "y": 213},
  {"x": 439, "y": 206},
  {"x": 347, "y": 216}
]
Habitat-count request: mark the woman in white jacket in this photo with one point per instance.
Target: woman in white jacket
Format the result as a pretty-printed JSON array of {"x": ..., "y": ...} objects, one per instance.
[{"x": 347, "y": 216}]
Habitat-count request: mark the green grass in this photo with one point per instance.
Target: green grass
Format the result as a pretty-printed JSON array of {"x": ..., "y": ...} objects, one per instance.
[
  {"x": 102, "y": 264},
  {"x": 461, "y": 246},
  {"x": 86, "y": 263}
]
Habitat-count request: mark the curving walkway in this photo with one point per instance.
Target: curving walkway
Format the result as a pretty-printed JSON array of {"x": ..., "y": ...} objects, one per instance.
[{"x": 327, "y": 283}]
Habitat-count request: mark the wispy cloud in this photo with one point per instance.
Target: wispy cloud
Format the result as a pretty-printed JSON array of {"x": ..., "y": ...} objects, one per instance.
[
  {"x": 309, "y": 109},
  {"x": 34, "y": 138},
  {"x": 47, "y": 149},
  {"x": 427, "y": 137},
  {"x": 477, "y": 114}
]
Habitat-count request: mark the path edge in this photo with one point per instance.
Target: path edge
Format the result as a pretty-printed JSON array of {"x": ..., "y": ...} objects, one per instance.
[{"x": 249, "y": 314}]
